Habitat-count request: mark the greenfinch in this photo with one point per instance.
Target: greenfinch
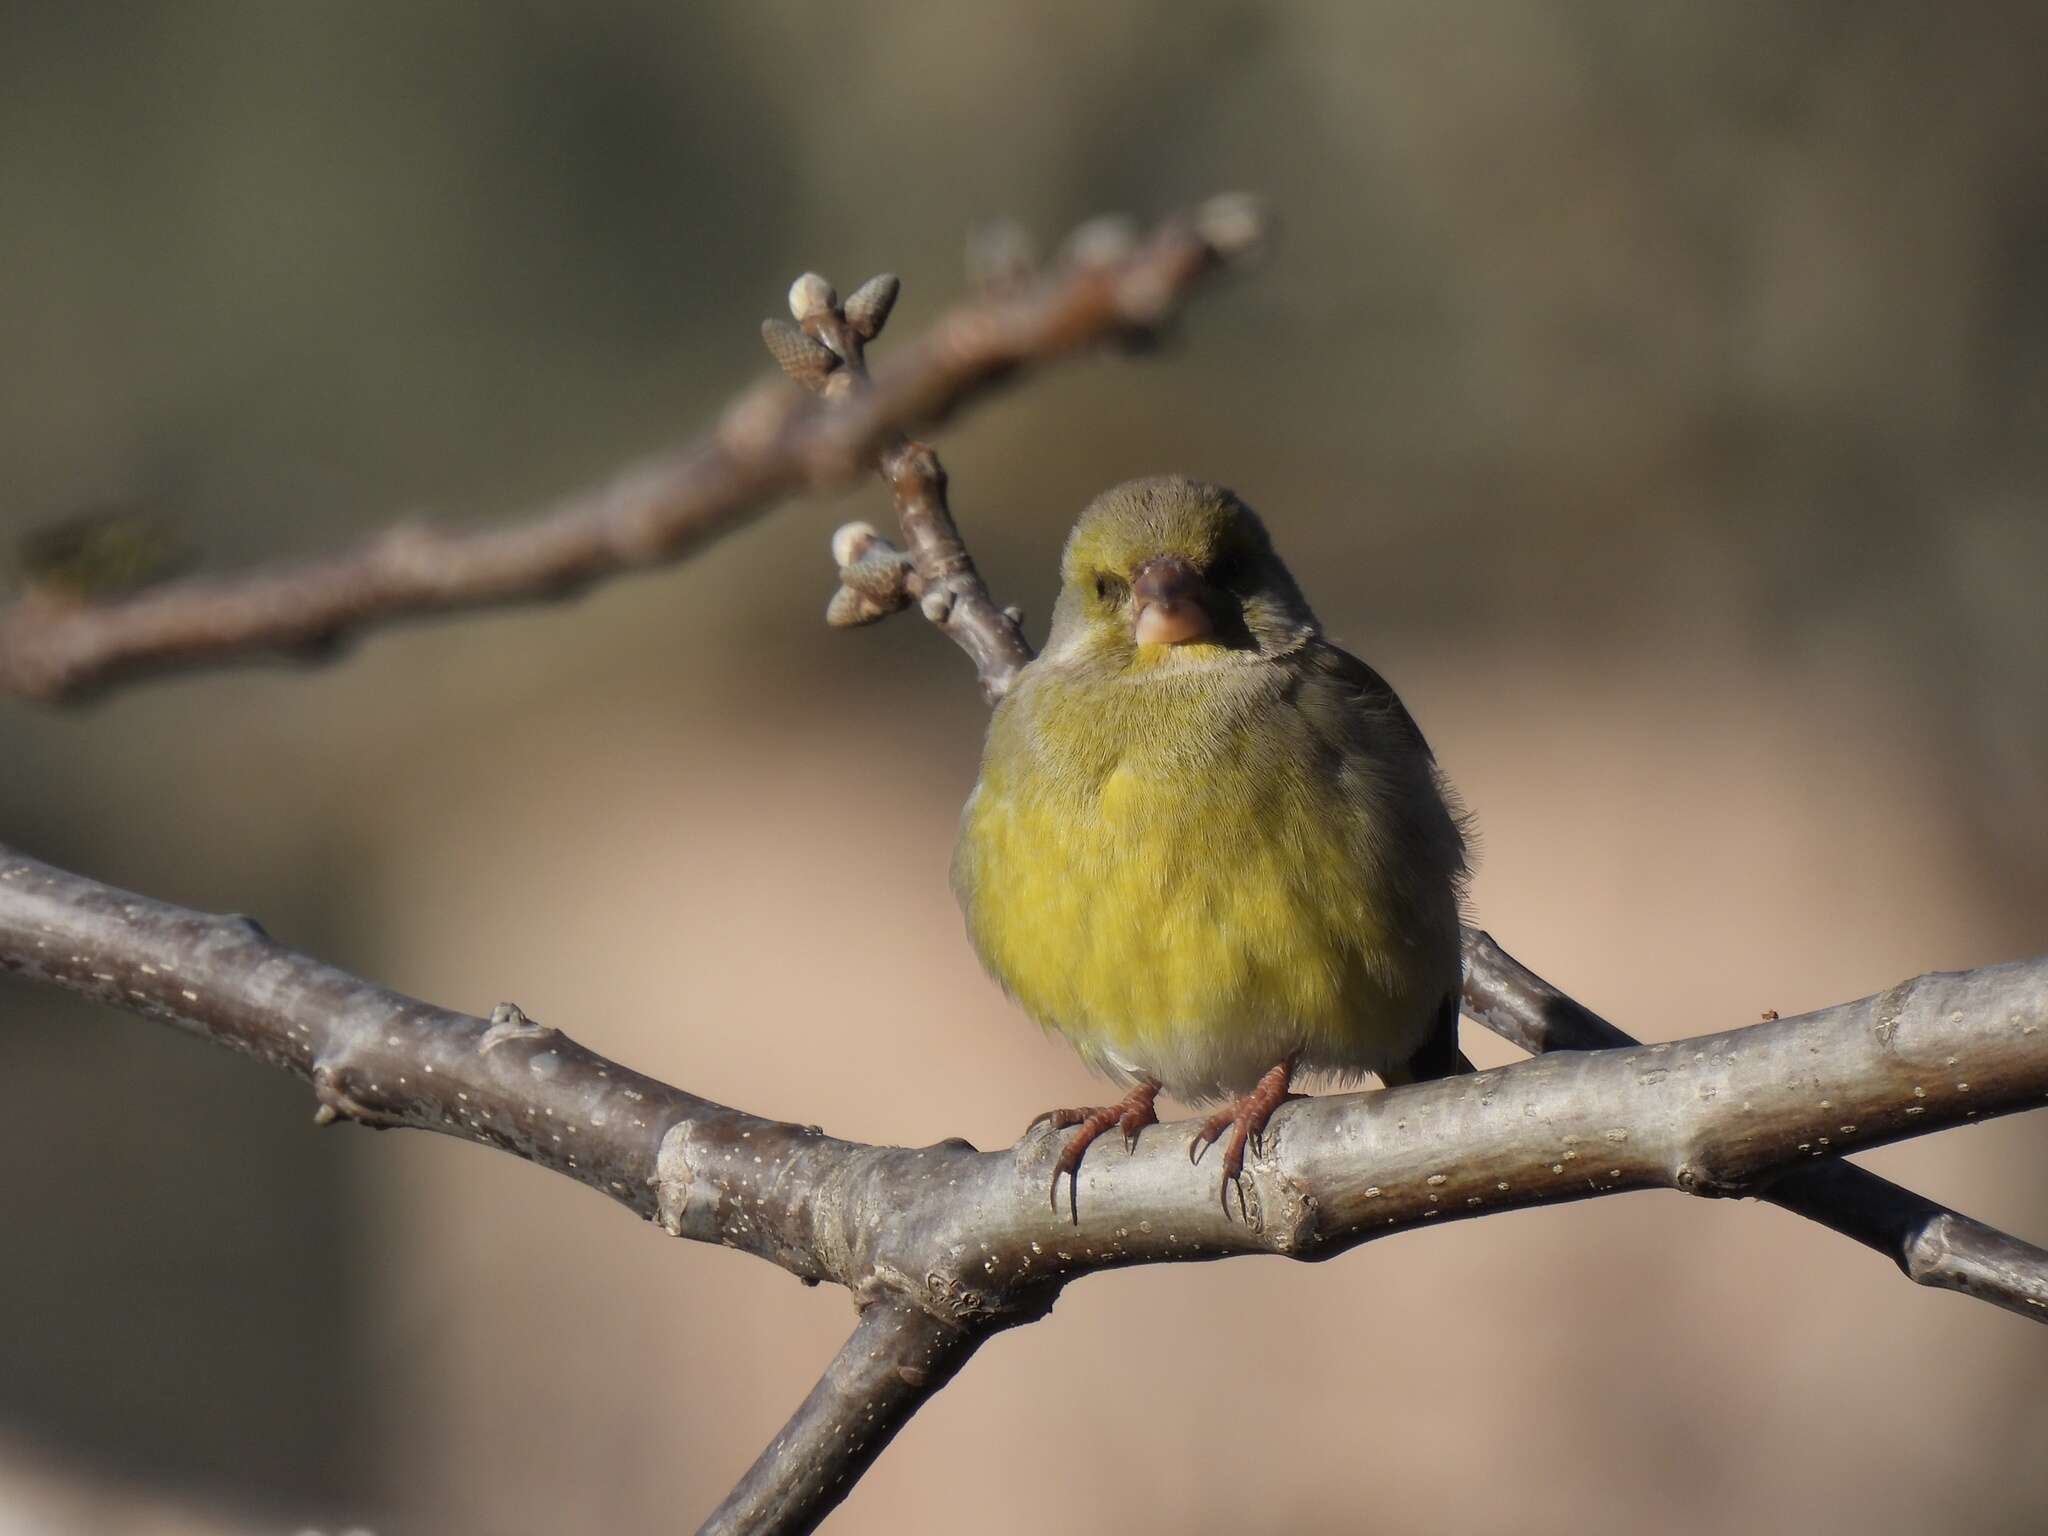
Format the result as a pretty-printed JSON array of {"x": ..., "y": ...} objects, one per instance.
[{"x": 1207, "y": 846}]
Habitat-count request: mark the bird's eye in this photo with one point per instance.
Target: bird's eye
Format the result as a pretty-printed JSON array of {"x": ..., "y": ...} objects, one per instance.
[{"x": 1107, "y": 586}]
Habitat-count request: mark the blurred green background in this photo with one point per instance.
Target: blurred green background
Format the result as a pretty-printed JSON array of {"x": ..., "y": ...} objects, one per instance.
[{"x": 1657, "y": 393}]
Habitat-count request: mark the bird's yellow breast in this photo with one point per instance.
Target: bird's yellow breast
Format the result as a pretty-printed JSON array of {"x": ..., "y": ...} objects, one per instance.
[{"x": 1181, "y": 893}]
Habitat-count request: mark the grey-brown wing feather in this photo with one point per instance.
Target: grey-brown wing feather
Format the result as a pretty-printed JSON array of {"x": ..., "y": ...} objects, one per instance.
[{"x": 1355, "y": 709}]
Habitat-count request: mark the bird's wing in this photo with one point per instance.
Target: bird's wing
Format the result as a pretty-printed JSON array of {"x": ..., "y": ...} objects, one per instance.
[
  {"x": 1335, "y": 682},
  {"x": 1406, "y": 823}
]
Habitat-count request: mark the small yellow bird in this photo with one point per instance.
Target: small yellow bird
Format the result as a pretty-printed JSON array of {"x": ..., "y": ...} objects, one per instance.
[{"x": 1207, "y": 846}]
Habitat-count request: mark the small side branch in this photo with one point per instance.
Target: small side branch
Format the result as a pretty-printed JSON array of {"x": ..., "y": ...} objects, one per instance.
[
  {"x": 898, "y": 1356},
  {"x": 1931, "y": 1244}
]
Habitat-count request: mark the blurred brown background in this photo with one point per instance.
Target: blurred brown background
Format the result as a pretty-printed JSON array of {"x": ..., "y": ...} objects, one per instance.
[{"x": 1655, "y": 392}]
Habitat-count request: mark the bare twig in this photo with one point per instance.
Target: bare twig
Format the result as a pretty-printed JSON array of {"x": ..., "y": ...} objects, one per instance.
[{"x": 768, "y": 444}]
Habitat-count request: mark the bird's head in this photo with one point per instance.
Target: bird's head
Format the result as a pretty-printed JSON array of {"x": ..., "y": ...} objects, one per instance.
[{"x": 1174, "y": 569}]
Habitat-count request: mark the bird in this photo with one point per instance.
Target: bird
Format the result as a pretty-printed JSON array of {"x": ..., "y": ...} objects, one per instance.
[{"x": 1207, "y": 846}]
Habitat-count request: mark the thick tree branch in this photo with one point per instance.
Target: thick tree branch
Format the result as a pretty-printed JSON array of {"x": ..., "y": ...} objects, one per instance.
[
  {"x": 967, "y": 1241},
  {"x": 969, "y": 1235},
  {"x": 1719, "y": 1115},
  {"x": 371, "y": 1055},
  {"x": 768, "y": 444}
]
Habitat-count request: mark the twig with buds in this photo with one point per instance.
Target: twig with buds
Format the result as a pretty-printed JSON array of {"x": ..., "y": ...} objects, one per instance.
[
  {"x": 60, "y": 644},
  {"x": 824, "y": 349}
]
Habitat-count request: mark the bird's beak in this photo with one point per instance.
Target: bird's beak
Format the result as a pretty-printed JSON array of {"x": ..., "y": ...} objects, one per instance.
[{"x": 1168, "y": 591}]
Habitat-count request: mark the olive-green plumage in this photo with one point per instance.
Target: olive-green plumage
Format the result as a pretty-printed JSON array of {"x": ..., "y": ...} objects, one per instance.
[{"x": 1199, "y": 857}]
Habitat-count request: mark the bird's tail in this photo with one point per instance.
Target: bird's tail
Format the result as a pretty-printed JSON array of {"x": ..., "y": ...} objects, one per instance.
[{"x": 1439, "y": 1055}]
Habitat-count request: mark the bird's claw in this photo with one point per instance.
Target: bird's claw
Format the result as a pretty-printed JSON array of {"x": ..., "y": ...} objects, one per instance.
[
  {"x": 1130, "y": 1123},
  {"x": 1058, "y": 1119},
  {"x": 1130, "y": 1114},
  {"x": 1246, "y": 1118},
  {"x": 1235, "y": 1181}
]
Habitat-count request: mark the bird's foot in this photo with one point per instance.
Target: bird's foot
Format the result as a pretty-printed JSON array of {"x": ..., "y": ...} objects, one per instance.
[
  {"x": 1130, "y": 1114},
  {"x": 1245, "y": 1118}
]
